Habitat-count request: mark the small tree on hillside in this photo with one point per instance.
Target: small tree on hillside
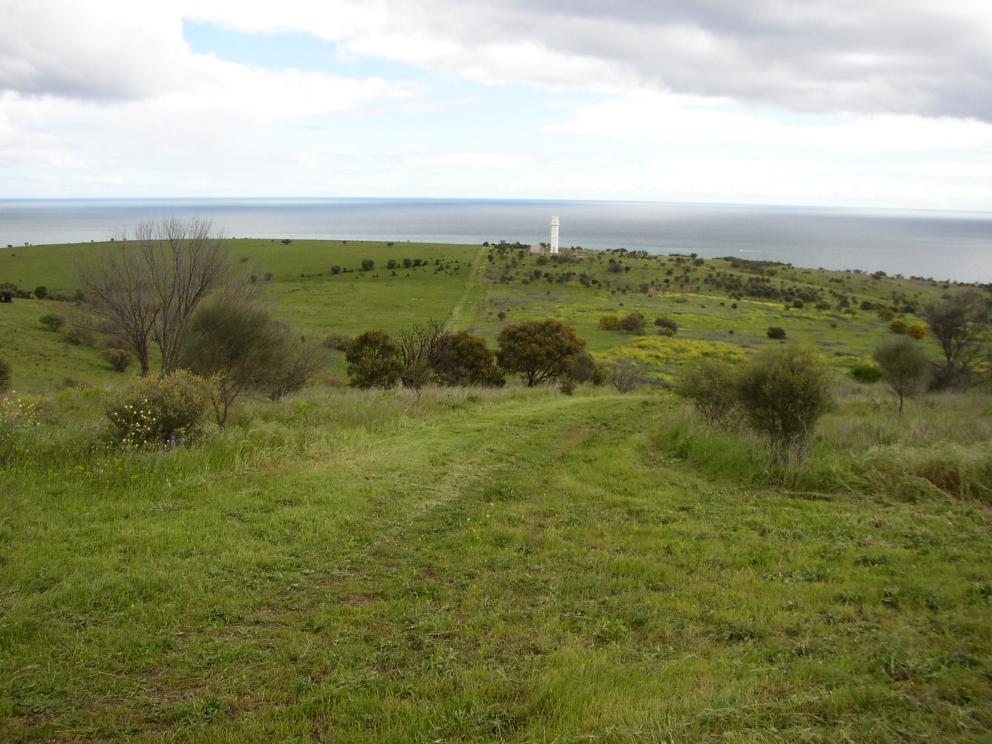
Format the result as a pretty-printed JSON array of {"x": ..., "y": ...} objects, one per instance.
[
  {"x": 961, "y": 325},
  {"x": 711, "y": 387},
  {"x": 904, "y": 367},
  {"x": 146, "y": 288},
  {"x": 625, "y": 374},
  {"x": 418, "y": 346},
  {"x": 464, "y": 359},
  {"x": 539, "y": 351},
  {"x": 585, "y": 369},
  {"x": 783, "y": 392},
  {"x": 300, "y": 359},
  {"x": 374, "y": 360},
  {"x": 233, "y": 340}
]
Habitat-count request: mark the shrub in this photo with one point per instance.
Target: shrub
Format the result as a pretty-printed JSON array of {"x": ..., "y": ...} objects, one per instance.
[
  {"x": 234, "y": 340},
  {"x": 917, "y": 331},
  {"x": 335, "y": 270},
  {"x": 904, "y": 367},
  {"x": 886, "y": 314},
  {"x": 625, "y": 374},
  {"x": 667, "y": 324},
  {"x": 633, "y": 323},
  {"x": 79, "y": 336},
  {"x": 609, "y": 323},
  {"x": 298, "y": 362},
  {"x": 711, "y": 387},
  {"x": 41, "y": 291},
  {"x": 119, "y": 359},
  {"x": 337, "y": 342},
  {"x": 776, "y": 333},
  {"x": 374, "y": 361},
  {"x": 961, "y": 325},
  {"x": 540, "y": 351},
  {"x": 585, "y": 369},
  {"x": 463, "y": 359},
  {"x": 51, "y": 321},
  {"x": 783, "y": 393},
  {"x": 866, "y": 373},
  {"x": 159, "y": 410},
  {"x": 898, "y": 326},
  {"x": 4, "y": 375},
  {"x": 368, "y": 264}
]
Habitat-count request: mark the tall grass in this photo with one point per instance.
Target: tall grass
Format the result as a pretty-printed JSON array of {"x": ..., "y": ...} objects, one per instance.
[{"x": 941, "y": 446}]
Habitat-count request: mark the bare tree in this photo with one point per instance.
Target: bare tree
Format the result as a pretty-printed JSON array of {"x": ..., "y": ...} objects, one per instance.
[
  {"x": 185, "y": 261},
  {"x": 118, "y": 289},
  {"x": 625, "y": 374},
  {"x": 144, "y": 289},
  {"x": 419, "y": 347}
]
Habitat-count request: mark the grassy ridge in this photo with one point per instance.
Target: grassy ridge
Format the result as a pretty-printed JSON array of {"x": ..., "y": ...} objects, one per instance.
[
  {"x": 517, "y": 566},
  {"x": 474, "y": 285}
]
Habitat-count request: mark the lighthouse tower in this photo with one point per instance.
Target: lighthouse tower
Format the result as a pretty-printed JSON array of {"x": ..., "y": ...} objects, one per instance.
[{"x": 554, "y": 236}]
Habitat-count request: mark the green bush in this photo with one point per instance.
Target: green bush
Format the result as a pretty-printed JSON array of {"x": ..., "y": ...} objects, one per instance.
[
  {"x": 4, "y": 375},
  {"x": 463, "y": 359},
  {"x": 79, "y": 336},
  {"x": 540, "y": 351},
  {"x": 633, "y": 323},
  {"x": 904, "y": 366},
  {"x": 336, "y": 342},
  {"x": 669, "y": 325},
  {"x": 866, "y": 373},
  {"x": 898, "y": 326},
  {"x": 159, "y": 410},
  {"x": 609, "y": 323},
  {"x": 41, "y": 291},
  {"x": 783, "y": 392},
  {"x": 51, "y": 321},
  {"x": 368, "y": 264},
  {"x": 776, "y": 333},
  {"x": 119, "y": 359},
  {"x": 711, "y": 387},
  {"x": 585, "y": 369},
  {"x": 374, "y": 361}
]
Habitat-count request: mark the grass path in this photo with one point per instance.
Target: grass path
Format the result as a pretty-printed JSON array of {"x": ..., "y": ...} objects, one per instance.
[
  {"x": 464, "y": 309},
  {"x": 509, "y": 569}
]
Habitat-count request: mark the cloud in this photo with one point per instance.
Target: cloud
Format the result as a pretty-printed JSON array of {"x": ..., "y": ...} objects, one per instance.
[{"x": 867, "y": 56}]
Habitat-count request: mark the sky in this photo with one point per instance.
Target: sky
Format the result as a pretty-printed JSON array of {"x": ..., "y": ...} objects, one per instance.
[{"x": 864, "y": 103}]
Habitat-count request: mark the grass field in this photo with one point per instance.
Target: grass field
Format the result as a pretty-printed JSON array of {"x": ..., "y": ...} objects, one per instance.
[{"x": 517, "y": 565}]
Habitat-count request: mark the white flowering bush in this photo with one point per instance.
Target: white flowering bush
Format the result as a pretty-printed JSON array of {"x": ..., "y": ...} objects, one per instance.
[
  {"x": 17, "y": 413},
  {"x": 159, "y": 411}
]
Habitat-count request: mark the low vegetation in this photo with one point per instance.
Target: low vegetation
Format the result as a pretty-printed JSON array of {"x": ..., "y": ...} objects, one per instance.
[{"x": 406, "y": 532}]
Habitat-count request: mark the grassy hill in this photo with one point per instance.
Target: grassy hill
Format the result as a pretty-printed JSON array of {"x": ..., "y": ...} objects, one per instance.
[
  {"x": 715, "y": 302},
  {"x": 497, "y": 565}
]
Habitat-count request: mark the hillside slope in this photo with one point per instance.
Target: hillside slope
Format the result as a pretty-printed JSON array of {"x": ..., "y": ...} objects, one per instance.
[{"x": 468, "y": 566}]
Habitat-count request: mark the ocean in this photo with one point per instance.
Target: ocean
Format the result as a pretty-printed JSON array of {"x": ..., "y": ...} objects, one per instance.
[{"x": 942, "y": 245}]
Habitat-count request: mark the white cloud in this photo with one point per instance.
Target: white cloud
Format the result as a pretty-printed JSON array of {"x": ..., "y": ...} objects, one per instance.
[{"x": 105, "y": 97}]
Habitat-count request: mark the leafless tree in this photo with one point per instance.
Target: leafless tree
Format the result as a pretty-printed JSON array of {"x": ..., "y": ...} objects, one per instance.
[
  {"x": 419, "y": 346},
  {"x": 185, "y": 261},
  {"x": 625, "y": 374},
  {"x": 145, "y": 288},
  {"x": 118, "y": 289}
]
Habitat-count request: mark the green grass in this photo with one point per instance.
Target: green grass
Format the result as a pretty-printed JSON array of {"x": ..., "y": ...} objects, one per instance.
[
  {"x": 494, "y": 565},
  {"x": 472, "y": 566}
]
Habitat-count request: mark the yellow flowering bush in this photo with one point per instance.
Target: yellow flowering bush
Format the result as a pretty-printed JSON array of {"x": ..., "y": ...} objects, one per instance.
[{"x": 159, "y": 410}]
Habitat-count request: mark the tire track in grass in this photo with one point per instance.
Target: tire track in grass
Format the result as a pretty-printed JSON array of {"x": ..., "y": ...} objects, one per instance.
[{"x": 472, "y": 282}]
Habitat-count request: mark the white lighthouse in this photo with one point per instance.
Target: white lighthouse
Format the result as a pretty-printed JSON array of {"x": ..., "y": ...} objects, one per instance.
[{"x": 554, "y": 236}]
